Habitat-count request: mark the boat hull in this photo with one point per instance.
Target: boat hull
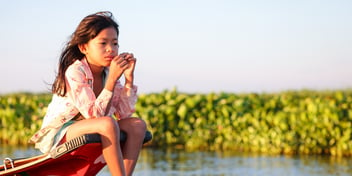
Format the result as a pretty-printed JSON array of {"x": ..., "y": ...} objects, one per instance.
[
  {"x": 79, "y": 156},
  {"x": 86, "y": 160}
]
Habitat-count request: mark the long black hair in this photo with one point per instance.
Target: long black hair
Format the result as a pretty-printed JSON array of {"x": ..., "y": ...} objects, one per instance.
[{"x": 87, "y": 29}]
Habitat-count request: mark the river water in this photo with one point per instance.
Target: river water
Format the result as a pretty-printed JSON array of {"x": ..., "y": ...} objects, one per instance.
[{"x": 170, "y": 162}]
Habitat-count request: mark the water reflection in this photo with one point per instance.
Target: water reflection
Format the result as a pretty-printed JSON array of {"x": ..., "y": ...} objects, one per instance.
[
  {"x": 179, "y": 162},
  {"x": 17, "y": 151},
  {"x": 172, "y": 162}
]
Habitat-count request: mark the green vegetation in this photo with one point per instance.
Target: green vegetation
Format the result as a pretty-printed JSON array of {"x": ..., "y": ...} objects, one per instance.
[
  {"x": 21, "y": 116},
  {"x": 292, "y": 122}
]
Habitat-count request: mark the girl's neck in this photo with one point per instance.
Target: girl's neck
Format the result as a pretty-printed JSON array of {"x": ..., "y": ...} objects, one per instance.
[{"x": 96, "y": 70}]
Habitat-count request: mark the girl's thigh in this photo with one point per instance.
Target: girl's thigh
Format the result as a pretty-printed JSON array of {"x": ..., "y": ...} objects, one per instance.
[{"x": 101, "y": 125}]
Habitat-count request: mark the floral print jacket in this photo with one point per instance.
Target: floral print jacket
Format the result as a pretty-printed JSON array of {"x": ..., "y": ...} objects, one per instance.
[{"x": 80, "y": 98}]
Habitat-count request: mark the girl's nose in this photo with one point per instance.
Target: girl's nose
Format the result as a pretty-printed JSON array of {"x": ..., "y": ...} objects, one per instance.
[{"x": 111, "y": 49}]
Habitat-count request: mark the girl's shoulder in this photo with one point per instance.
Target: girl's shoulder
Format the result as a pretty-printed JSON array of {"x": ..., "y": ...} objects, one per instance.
[
  {"x": 80, "y": 64},
  {"x": 79, "y": 68}
]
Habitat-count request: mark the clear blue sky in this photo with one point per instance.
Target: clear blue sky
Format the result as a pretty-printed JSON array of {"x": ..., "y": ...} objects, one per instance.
[{"x": 194, "y": 45}]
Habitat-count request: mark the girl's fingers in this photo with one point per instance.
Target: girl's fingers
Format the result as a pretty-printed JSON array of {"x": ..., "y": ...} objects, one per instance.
[
  {"x": 124, "y": 60},
  {"x": 130, "y": 56},
  {"x": 132, "y": 59},
  {"x": 127, "y": 55},
  {"x": 119, "y": 59}
]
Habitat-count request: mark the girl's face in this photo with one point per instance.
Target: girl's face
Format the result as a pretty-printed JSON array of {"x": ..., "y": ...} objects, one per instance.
[{"x": 102, "y": 49}]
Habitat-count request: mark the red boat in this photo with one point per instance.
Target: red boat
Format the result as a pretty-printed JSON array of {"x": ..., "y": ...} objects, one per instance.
[{"x": 79, "y": 156}]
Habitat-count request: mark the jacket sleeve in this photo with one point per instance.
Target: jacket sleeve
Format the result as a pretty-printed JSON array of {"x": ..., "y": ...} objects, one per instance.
[
  {"x": 80, "y": 91},
  {"x": 124, "y": 101}
]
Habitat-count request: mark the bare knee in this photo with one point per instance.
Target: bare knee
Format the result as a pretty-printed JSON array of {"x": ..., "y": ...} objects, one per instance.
[
  {"x": 107, "y": 125},
  {"x": 133, "y": 126},
  {"x": 140, "y": 126}
]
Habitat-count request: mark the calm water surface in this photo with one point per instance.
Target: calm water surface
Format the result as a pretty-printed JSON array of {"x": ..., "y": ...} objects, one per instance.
[{"x": 169, "y": 162}]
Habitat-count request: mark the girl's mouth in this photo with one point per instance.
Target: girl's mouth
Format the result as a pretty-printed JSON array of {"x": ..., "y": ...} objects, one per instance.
[{"x": 109, "y": 57}]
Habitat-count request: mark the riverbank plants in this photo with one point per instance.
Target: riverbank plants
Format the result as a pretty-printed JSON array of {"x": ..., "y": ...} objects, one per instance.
[{"x": 290, "y": 122}]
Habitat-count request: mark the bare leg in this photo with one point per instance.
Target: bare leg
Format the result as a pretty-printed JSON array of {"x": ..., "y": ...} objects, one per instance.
[
  {"x": 135, "y": 129},
  {"x": 110, "y": 134}
]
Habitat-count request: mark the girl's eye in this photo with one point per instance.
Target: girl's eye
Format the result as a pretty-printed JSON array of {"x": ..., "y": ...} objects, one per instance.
[
  {"x": 103, "y": 43},
  {"x": 116, "y": 44}
]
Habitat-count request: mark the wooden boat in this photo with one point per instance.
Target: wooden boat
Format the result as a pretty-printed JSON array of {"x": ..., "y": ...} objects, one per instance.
[{"x": 79, "y": 156}]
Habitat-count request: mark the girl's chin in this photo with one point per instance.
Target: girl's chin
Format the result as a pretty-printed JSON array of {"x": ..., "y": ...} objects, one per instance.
[{"x": 107, "y": 63}]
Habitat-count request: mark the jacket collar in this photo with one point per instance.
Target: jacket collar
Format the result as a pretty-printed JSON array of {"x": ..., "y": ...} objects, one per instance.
[{"x": 88, "y": 71}]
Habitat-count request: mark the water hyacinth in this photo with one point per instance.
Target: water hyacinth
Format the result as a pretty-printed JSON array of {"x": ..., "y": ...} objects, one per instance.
[{"x": 291, "y": 122}]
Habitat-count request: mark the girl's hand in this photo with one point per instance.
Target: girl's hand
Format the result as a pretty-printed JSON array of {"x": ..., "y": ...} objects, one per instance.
[
  {"x": 118, "y": 66},
  {"x": 129, "y": 71},
  {"x": 131, "y": 60}
]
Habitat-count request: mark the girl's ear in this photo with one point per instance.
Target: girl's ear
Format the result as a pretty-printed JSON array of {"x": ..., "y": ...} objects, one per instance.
[{"x": 83, "y": 48}]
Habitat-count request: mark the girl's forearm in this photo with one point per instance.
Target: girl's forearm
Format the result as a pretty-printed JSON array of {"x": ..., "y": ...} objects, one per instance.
[
  {"x": 110, "y": 84},
  {"x": 129, "y": 81}
]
